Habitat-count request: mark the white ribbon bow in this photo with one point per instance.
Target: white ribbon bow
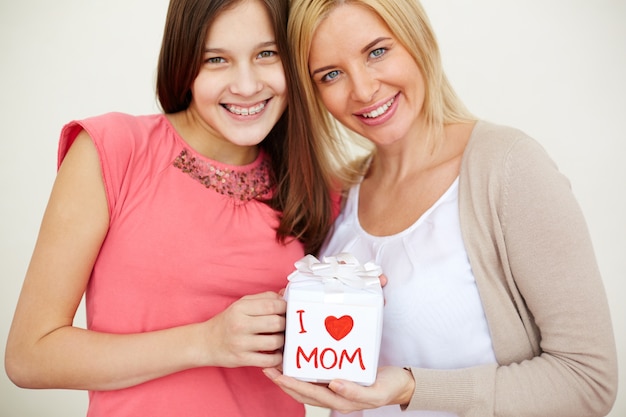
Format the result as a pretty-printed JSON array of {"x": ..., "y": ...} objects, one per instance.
[{"x": 343, "y": 268}]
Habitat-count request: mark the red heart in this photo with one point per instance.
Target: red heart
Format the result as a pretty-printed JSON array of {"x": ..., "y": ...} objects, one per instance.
[{"x": 338, "y": 328}]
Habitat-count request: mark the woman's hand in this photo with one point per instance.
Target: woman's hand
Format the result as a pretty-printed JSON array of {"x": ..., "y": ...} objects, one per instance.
[
  {"x": 250, "y": 332},
  {"x": 393, "y": 385},
  {"x": 383, "y": 280}
]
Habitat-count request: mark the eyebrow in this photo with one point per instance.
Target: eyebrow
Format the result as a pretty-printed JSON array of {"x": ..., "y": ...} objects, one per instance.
[
  {"x": 322, "y": 69},
  {"x": 260, "y": 45},
  {"x": 363, "y": 50},
  {"x": 374, "y": 42}
]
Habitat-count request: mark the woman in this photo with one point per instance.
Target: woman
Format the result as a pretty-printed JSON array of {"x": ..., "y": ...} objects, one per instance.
[
  {"x": 494, "y": 302},
  {"x": 180, "y": 228}
]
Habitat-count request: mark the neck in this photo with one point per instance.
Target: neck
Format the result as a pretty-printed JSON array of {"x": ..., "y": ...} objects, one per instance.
[
  {"x": 205, "y": 141},
  {"x": 416, "y": 156}
]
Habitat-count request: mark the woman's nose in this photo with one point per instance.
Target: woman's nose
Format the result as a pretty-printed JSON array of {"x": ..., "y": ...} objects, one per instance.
[
  {"x": 246, "y": 81},
  {"x": 364, "y": 85}
]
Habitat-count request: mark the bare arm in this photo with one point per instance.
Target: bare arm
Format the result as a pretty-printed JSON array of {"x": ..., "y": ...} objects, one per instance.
[{"x": 45, "y": 350}]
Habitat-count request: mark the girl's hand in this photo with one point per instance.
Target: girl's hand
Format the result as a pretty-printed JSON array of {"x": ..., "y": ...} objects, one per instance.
[
  {"x": 250, "y": 332},
  {"x": 393, "y": 385}
]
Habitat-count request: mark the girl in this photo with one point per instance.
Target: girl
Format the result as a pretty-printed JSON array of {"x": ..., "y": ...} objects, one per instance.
[{"x": 171, "y": 223}]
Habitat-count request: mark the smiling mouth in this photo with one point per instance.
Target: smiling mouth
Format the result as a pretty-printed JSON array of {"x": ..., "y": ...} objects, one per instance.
[
  {"x": 379, "y": 111},
  {"x": 245, "y": 111}
]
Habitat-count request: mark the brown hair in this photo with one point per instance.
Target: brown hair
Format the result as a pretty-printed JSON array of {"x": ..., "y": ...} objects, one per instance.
[{"x": 300, "y": 170}]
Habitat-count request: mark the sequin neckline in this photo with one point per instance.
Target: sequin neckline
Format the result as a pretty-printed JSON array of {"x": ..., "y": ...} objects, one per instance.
[{"x": 240, "y": 183}]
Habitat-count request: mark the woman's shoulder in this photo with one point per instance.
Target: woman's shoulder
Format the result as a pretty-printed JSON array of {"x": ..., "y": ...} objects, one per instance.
[
  {"x": 501, "y": 160},
  {"x": 491, "y": 144},
  {"x": 489, "y": 135}
]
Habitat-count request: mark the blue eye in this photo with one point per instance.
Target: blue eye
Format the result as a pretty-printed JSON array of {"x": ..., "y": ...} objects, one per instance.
[
  {"x": 378, "y": 52},
  {"x": 330, "y": 76}
]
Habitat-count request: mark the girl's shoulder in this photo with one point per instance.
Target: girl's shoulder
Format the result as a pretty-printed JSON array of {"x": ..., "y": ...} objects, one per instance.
[{"x": 115, "y": 133}]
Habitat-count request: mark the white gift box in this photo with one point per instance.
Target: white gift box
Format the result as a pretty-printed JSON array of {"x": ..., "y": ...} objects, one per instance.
[{"x": 334, "y": 320}]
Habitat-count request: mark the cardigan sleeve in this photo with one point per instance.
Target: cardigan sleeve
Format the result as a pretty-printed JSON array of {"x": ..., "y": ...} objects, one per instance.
[
  {"x": 552, "y": 261},
  {"x": 541, "y": 288}
]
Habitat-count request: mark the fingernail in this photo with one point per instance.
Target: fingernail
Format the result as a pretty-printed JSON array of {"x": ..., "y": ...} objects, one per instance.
[
  {"x": 270, "y": 373},
  {"x": 336, "y": 386}
]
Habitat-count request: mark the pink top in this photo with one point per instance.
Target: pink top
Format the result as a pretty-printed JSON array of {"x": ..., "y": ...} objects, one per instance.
[{"x": 186, "y": 238}]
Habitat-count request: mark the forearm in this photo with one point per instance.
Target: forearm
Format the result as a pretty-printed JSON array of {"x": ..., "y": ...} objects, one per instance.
[
  {"x": 73, "y": 358},
  {"x": 247, "y": 333},
  {"x": 468, "y": 392}
]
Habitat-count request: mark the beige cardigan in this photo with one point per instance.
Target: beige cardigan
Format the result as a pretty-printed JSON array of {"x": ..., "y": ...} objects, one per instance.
[{"x": 539, "y": 282}]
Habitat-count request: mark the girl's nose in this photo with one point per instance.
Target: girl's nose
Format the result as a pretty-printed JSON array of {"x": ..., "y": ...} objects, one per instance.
[{"x": 246, "y": 81}]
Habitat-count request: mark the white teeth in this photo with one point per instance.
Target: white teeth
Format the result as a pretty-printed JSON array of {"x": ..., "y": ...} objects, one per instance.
[
  {"x": 242, "y": 111},
  {"x": 379, "y": 111}
]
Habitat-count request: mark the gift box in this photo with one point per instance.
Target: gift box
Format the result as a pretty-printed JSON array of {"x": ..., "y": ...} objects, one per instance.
[{"x": 334, "y": 320}]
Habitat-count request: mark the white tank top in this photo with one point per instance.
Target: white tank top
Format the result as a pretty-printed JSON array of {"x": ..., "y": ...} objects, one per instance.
[{"x": 433, "y": 316}]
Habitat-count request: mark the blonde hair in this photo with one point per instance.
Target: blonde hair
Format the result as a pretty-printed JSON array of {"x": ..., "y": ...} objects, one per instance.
[{"x": 408, "y": 22}]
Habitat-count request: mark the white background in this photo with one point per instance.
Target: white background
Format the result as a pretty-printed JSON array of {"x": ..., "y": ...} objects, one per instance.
[{"x": 553, "y": 68}]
